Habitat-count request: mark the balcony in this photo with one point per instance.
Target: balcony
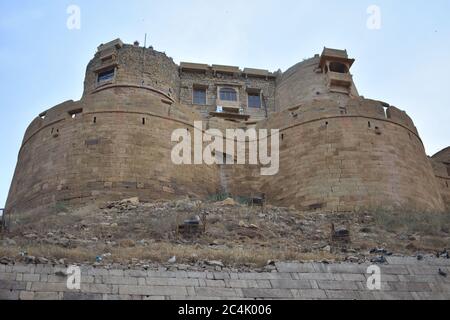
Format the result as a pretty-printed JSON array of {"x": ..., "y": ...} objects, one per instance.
[
  {"x": 340, "y": 79},
  {"x": 230, "y": 113},
  {"x": 339, "y": 82}
]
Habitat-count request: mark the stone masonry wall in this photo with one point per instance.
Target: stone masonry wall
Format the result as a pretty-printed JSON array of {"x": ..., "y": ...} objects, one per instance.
[
  {"x": 117, "y": 147},
  {"x": 137, "y": 66},
  {"x": 191, "y": 79},
  {"x": 401, "y": 279},
  {"x": 346, "y": 160},
  {"x": 349, "y": 158},
  {"x": 441, "y": 167},
  {"x": 302, "y": 83}
]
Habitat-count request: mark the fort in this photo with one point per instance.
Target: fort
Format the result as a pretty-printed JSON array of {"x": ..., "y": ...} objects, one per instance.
[{"x": 339, "y": 152}]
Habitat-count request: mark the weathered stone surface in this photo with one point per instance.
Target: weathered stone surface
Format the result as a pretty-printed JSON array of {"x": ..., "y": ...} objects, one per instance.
[
  {"x": 339, "y": 284},
  {"x": 295, "y": 267},
  {"x": 47, "y": 296},
  {"x": 218, "y": 292},
  {"x": 291, "y": 284},
  {"x": 268, "y": 293},
  {"x": 309, "y": 294},
  {"x": 81, "y": 296},
  {"x": 153, "y": 290},
  {"x": 8, "y": 294}
]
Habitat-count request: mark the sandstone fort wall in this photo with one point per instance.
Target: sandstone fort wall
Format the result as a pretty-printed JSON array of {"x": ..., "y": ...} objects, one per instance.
[{"x": 338, "y": 152}]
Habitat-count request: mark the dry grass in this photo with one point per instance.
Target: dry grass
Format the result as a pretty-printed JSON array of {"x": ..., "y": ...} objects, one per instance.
[
  {"x": 161, "y": 252},
  {"x": 426, "y": 223},
  {"x": 236, "y": 235}
]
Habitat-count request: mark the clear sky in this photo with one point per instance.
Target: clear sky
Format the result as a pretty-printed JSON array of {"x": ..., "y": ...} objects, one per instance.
[{"x": 405, "y": 63}]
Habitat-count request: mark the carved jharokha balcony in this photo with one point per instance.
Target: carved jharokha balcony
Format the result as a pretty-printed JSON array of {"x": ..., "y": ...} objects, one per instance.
[{"x": 340, "y": 79}]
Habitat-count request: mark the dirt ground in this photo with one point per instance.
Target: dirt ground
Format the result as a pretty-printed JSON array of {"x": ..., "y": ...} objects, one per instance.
[{"x": 229, "y": 232}]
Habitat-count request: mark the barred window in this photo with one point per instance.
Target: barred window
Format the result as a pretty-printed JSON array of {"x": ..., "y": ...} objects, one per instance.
[
  {"x": 254, "y": 100},
  {"x": 199, "y": 96},
  {"x": 228, "y": 94}
]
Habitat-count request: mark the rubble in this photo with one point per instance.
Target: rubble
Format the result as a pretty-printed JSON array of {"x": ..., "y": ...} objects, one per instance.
[
  {"x": 340, "y": 235},
  {"x": 5, "y": 260},
  {"x": 214, "y": 263},
  {"x": 227, "y": 202},
  {"x": 213, "y": 231}
]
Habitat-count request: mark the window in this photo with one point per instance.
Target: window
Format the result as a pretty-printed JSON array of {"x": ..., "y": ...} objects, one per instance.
[
  {"x": 228, "y": 94},
  {"x": 199, "y": 96},
  {"x": 74, "y": 113},
  {"x": 254, "y": 100},
  {"x": 106, "y": 75},
  {"x": 338, "y": 67}
]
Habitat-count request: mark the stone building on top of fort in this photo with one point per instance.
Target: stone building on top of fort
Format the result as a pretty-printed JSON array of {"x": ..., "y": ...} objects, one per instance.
[{"x": 338, "y": 150}]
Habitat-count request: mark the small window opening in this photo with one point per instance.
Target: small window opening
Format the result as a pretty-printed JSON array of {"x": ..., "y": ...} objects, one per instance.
[
  {"x": 338, "y": 67},
  {"x": 282, "y": 136},
  {"x": 43, "y": 115},
  {"x": 75, "y": 113},
  {"x": 199, "y": 96},
  {"x": 53, "y": 130},
  {"x": 143, "y": 121},
  {"x": 254, "y": 100},
  {"x": 369, "y": 124},
  {"x": 377, "y": 131},
  {"x": 105, "y": 76},
  {"x": 95, "y": 119}
]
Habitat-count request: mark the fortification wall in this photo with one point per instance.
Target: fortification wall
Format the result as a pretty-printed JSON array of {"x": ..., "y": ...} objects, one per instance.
[
  {"x": 118, "y": 146},
  {"x": 346, "y": 159},
  {"x": 360, "y": 156},
  {"x": 339, "y": 152},
  {"x": 441, "y": 167}
]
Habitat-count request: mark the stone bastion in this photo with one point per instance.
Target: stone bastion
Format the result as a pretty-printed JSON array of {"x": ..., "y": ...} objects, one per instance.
[{"x": 338, "y": 150}]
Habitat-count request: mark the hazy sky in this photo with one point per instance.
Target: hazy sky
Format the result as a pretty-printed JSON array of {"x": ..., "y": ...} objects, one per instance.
[{"x": 405, "y": 63}]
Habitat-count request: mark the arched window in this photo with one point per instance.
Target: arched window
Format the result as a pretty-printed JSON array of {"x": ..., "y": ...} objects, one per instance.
[
  {"x": 228, "y": 94},
  {"x": 338, "y": 67}
]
